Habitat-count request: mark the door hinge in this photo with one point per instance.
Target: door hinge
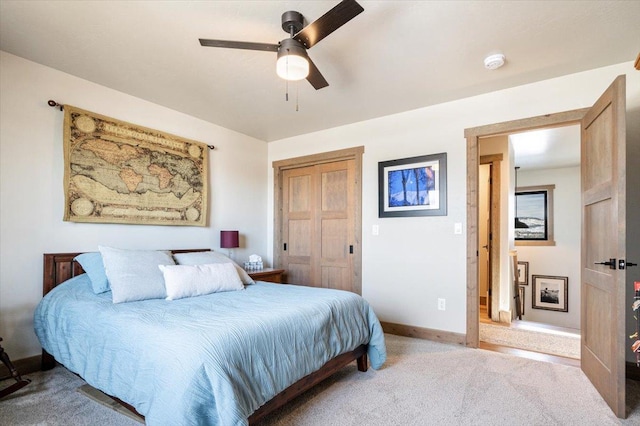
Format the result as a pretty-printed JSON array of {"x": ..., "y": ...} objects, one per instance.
[
  {"x": 351, "y": 249},
  {"x": 285, "y": 246}
]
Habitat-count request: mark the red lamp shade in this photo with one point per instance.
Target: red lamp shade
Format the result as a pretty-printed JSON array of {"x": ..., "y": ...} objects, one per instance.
[{"x": 229, "y": 239}]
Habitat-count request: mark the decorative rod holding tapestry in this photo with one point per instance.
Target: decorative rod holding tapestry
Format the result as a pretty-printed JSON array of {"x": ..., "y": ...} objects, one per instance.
[
  {"x": 118, "y": 172},
  {"x": 53, "y": 103}
]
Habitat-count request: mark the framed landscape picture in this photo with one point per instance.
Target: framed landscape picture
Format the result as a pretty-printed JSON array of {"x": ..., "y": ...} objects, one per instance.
[
  {"x": 550, "y": 293},
  {"x": 534, "y": 215},
  {"x": 415, "y": 186}
]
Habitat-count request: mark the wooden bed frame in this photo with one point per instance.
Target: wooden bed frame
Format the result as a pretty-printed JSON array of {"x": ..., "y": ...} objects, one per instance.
[{"x": 59, "y": 267}]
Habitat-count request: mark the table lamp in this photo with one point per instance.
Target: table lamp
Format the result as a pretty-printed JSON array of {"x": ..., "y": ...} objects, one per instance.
[{"x": 229, "y": 240}]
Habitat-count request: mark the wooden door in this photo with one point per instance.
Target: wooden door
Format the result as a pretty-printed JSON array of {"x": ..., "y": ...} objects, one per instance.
[
  {"x": 484, "y": 231},
  {"x": 494, "y": 161},
  {"x": 298, "y": 217},
  {"x": 318, "y": 225},
  {"x": 603, "y": 307},
  {"x": 335, "y": 225}
]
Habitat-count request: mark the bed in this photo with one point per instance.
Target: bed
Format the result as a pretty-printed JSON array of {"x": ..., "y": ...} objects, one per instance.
[{"x": 222, "y": 358}]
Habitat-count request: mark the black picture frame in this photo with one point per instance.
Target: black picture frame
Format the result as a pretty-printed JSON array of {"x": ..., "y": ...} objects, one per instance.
[
  {"x": 532, "y": 216},
  {"x": 550, "y": 293},
  {"x": 414, "y": 186}
]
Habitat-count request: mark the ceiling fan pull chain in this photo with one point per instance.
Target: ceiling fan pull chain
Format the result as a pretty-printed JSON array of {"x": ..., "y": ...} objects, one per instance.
[
  {"x": 287, "y": 58},
  {"x": 287, "y": 80},
  {"x": 297, "y": 96},
  {"x": 286, "y": 91}
]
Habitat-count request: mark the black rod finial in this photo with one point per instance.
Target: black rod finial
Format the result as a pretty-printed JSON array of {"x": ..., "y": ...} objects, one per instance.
[{"x": 53, "y": 103}]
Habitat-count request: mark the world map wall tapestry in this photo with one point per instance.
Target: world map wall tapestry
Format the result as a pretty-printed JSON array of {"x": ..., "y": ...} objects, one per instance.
[{"x": 117, "y": 172}]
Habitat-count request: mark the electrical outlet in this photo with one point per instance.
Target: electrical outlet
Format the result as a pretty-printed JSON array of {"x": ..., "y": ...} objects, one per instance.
[{"x": 441, "y": 304}]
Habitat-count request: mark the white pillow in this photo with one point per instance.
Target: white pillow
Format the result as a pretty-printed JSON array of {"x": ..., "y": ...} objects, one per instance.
[
  {"x": 196, "y": 280},
  {"x": 207, "y": 257},
  {"x": 134, "y": 274}
]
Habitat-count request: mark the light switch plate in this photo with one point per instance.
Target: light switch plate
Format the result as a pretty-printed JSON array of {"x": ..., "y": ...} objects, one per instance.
[
  {"x": 457, "y": 228},
  {"x": 375, "y": 230}
]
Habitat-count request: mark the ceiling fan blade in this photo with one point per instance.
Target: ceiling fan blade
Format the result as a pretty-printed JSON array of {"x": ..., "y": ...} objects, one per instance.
[
  {"x": 342, "y": 13},
  {"x": 315, "y": 77},
  {"x": 239, "y": 45}
]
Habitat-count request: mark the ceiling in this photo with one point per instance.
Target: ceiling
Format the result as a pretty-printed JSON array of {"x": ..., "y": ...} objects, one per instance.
[
  {"x": 547, "y": 148},
  {"x": 395, "y": 56}
]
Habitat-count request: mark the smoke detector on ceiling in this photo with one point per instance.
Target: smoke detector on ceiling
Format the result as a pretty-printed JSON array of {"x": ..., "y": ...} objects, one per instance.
[{"x": 493, "y": 62}]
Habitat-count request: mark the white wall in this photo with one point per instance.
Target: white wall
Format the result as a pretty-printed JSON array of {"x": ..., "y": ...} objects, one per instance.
[
  {"x": 32, "y": 196},
  {"x": 562, "y": 259},
  {"x": 415, "y": 261}
]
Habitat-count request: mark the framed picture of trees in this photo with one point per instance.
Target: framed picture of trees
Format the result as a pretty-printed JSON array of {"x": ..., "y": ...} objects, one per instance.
[{"x": 415, "y": 186}]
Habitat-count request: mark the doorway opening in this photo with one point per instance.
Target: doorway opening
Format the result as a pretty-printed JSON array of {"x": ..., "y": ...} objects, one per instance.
[
  {"x": 474, "y": 136},
  {"x": 518, "y": 253}
]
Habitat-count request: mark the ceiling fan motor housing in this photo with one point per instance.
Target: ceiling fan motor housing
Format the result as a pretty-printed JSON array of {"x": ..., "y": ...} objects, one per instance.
[
  {"x": 292, "y": 47},
  {"x": 292, "y": 22}
]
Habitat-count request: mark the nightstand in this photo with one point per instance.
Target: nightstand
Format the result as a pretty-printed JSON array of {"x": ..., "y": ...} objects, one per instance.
[{"x": 267, "y": 274}]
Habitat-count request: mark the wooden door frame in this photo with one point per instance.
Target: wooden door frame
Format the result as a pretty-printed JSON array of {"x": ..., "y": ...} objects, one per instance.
[
  {"x": 280, "y": 166},
  {"x": 472, "y": 135}
]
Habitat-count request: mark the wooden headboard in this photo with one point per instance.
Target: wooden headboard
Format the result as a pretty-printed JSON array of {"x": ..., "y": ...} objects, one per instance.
[{"x": 59, "y": 267}]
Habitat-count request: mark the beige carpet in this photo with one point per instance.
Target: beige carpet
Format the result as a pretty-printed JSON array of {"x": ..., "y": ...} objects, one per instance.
[
  {"x": 422, "y": 383},
  {"x": 561, "y": 344}
]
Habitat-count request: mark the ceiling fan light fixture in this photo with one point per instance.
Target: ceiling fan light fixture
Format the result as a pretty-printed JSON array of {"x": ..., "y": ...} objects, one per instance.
[{"x": 292, "y": 61}]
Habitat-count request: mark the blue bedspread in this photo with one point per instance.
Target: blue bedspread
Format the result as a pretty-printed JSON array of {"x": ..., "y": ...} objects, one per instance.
[{"x": 207, "y": 360}]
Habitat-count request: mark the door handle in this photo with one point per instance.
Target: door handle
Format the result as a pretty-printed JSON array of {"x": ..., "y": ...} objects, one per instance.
[
  {"x": 622, "y": 264},
  {"x": 611, "y": 263}
]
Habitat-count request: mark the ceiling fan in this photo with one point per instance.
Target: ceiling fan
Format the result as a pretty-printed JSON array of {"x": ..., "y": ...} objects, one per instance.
[{"x": 293, "y": 62}]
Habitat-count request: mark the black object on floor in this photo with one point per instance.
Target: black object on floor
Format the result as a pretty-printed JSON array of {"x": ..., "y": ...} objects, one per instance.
[{"x": 20, "y": 382}]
